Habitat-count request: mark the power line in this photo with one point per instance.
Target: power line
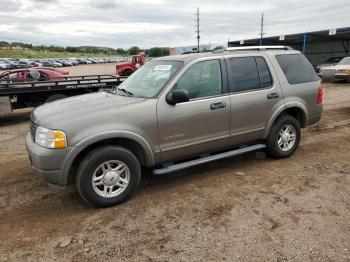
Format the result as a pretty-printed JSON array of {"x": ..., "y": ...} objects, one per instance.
[{"x": 197, "y": 31}]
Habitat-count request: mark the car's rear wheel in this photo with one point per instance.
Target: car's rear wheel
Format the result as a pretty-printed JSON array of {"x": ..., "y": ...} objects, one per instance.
[
  {"x": 284, "y": 137},
  {"x": 108, "y": 176}
]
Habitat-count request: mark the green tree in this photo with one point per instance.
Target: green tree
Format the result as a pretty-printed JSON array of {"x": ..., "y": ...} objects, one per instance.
[
  {"x": 4, "y": 43},
  {"x": 121, "y": 51},
  {"x": 72, "y": 49},
  {"x": 158, "y": 51},
  {"x": 134, "y": 50}
]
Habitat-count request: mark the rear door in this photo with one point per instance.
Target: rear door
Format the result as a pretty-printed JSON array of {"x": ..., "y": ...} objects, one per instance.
[{"x": 255, "y": 94}]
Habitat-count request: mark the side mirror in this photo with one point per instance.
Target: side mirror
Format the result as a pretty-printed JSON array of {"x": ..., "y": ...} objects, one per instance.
[{"x": 177, "y": 96}]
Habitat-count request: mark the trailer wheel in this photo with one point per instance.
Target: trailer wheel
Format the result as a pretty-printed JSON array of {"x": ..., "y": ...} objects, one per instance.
[
  {"x": 128, "y": 72},
  {"x": 55, "y": 97}
]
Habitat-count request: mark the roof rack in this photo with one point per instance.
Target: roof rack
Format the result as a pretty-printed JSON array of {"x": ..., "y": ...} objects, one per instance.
[
  {"x": 259, "y": 48},
  {"x": 254, "y": 48}
]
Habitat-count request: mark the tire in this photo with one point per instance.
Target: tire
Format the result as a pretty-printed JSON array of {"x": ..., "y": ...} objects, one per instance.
[
  {"x": 55, "y": 97},
  {"x": 128, "y": 72},
  {"x": 275, "y": 146},
  {"x": 92, "y": 167}
]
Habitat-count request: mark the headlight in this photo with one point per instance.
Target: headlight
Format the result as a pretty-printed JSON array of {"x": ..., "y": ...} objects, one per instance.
[
  {"x": 345, "y": 71},
  {"x": 50, "y": 138}
]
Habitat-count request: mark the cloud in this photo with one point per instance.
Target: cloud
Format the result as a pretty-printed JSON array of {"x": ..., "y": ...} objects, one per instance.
[
  {"x": 45, "y": 1},
  {"x": 104, "y": 4},
  {"x": 9, "y": 6},
  {"x": 147, "y": 23}
]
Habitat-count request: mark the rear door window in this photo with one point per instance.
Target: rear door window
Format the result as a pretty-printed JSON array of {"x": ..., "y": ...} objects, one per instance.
[
  {"x": 249, "y": 73},
  {"x": 244, "y": 74},
  {"x": 297, "y": 68}
]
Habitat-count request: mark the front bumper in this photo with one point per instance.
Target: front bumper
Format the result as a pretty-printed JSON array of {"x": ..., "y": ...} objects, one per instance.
[
  {"x": 341, "y": 76},
  {"x": 47, "y": 162}
]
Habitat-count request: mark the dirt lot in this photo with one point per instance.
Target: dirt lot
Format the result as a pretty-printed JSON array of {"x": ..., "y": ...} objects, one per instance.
[{"x": 248, "y": 208}]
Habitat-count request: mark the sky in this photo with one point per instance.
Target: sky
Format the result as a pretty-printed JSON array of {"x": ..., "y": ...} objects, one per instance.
[{"x": 164, "y": 23}]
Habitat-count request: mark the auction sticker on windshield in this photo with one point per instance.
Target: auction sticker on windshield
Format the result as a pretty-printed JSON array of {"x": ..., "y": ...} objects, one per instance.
[{"x": 162, "y": 67}]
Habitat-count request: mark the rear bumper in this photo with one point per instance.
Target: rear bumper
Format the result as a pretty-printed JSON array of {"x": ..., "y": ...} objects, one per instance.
[
  {"x": 316, "y": 117},
  {"x": 47, "y": 162}
]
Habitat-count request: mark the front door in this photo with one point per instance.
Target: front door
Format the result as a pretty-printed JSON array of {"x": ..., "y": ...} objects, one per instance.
[{"x": 201, "y": 124}]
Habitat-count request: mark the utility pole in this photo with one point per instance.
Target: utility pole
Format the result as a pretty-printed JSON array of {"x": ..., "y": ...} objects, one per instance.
[
  {"x": 197, "y": 31},
  {"x": 261, "y": 29}
]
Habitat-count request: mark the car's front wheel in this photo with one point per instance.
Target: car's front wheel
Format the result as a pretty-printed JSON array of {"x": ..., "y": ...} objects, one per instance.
[
  {"x": 108, "y": 176},
  {"x": 284, "y": 137},
  {"x": 128, "y": 72}
]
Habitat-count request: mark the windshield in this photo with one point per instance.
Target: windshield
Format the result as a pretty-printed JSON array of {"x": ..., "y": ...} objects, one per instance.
[
  {"x": 345, "y": 61},
  {"x": 149, "y": 80}
]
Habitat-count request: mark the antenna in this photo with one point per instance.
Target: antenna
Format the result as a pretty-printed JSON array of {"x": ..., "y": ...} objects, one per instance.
[
  {"x": 261, "y": 28},
  {"x": 197, "y": 26}
]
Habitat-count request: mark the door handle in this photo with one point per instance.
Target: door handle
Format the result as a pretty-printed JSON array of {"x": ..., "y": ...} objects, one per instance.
[
  {"x": 217, "y": 105},
  {"x": 273, "y": 95}
]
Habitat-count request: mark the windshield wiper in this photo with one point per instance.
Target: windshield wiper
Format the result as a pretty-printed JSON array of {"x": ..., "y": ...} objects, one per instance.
[{"x": 128, "y": 93}]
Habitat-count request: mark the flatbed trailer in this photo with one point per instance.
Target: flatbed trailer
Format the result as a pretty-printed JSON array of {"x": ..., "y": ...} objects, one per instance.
[{"x": 31, "y": 94}]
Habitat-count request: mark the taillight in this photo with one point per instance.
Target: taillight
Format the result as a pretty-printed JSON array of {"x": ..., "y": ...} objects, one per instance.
[{"x": 320, "y": 95}]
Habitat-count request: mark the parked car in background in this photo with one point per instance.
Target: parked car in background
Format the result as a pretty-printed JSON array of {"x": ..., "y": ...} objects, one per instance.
[
  {"x": 342, "y": 70},
  {"x": 175, "y": 113},
  {"x": 130, "y": 66},
  {"x": 339, "y": 72},
  {"x": 73, "y": 60},
  {"x": 46, "y": 63},
  {"x": 82, "y": 61},
  {"x": 4, "y": 65},
  {"x": 329, "y": 62},
  {"x": 29, "y": 75},
  {"x": 55, "y": 63},
  {"x": 37, "y": 63}
]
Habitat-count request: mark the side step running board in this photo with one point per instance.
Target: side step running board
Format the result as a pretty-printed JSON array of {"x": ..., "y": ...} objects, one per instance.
[{"x": 206, "y": 159}]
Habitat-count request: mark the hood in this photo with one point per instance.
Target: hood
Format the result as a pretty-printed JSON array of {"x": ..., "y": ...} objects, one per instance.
[
  {"x": 338, "y": 67},
  {"x": 123, "y": 63},
  {"x": 341, "y": 67},
  {"x": 75, "y": 106}
]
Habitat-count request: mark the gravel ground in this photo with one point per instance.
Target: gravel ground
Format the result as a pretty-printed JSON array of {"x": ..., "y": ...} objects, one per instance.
[{"x": 248, "y": 208}]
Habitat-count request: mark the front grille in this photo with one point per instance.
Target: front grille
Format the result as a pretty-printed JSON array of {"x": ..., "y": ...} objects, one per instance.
[{"x": 33, "y": 128}]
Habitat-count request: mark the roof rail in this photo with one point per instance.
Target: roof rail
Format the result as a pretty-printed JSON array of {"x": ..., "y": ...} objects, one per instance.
[{"x": 259, "y": 48}]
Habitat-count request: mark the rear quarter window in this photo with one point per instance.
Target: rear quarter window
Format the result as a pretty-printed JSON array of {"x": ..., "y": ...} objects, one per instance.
[{"x": 297, "y": 68}]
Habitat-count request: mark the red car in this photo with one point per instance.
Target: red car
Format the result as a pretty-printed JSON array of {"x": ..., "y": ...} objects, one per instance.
[
  {"x": 129, "y": 67},
  {"x": 57, "y": 70},
  {"x": 29, "y": 75}
]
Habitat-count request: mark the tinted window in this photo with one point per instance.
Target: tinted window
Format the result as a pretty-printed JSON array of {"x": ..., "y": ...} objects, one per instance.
[
  {"x": 297, "y": 68},
  {"x": 264, "y": 73},
  {"x": 244, "y": 73},
  {"x": 202, "y": 79}
]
